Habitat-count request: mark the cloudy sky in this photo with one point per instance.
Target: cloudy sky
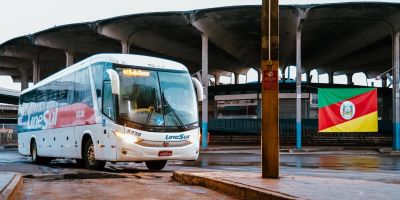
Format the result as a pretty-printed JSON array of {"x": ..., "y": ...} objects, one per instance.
[{"x": 21, "y": 17}]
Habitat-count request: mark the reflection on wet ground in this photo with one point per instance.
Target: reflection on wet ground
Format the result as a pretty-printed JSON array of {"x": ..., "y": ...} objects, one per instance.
[{"x": 357, "y": 161}]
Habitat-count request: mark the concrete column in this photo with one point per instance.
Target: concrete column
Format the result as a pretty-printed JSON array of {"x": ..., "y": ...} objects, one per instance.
[
  {"x": 204, "y": 106},
  {"x": 384, "y": 81},
  {"x": 24, "y": 79},
  {"x": 258, "y": 94},
  {"x": 236, "y": 78},
  {"x": 270, "y": 89},
  {"x": 349, "y": 79},
  {"x": 308, "y": 76},
  {"x": 298, "y": 88},
  {"x": 125, "y": 47},
  {"x": 330, "y": 77},
  {"x": 396, "y": 93},
  {"x": 35, "y": 70},
  {"x": 69, "y": 58},
  {"x": 217, "y": 76}
]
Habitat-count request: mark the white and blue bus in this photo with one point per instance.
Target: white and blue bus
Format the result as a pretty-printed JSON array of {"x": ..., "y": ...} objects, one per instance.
[{"x": 112, "y": 107}]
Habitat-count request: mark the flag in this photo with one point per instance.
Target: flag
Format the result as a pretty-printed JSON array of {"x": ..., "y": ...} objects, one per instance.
[{"x": 347, "y": 110}]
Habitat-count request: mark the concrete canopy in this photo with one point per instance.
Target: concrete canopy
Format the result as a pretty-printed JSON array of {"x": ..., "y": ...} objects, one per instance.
[
  {"x": 343, "y": 38},
  {"x": 170, "y": 35}
]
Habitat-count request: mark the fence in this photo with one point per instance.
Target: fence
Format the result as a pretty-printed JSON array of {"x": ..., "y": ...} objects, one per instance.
[{"x": 234, "y": 129}]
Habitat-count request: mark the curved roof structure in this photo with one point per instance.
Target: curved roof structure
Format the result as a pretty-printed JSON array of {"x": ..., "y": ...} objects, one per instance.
[{"x": 341, "y": 38}]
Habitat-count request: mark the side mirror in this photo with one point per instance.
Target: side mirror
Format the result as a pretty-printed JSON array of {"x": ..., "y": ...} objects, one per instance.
[
  {"x": 199, "y": 89},
  {"x": 114, "y": 78}
]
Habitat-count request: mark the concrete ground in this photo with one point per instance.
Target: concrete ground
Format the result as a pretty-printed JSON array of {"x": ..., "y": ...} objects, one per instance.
[
  {"x": 250, "y": 185},
  {"x": 153, "y": 185},
  {"x": 350, "y": 169},
  {"x": 10, "y": 183}
]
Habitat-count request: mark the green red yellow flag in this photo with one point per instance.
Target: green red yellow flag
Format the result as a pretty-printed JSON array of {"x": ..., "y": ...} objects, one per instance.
[{"x": 347, "y": 110}]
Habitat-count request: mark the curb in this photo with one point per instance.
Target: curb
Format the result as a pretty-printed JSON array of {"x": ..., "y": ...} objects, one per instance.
[
  {"x": 11, "y": 190},
  {"x": 234, "y": 189}
]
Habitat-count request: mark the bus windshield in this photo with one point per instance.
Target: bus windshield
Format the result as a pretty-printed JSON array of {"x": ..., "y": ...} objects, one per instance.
[{"x": 157, "y": 98}]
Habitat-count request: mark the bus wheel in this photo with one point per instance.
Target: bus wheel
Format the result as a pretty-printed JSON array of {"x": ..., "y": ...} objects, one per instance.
[
  {"x": 89, "y": 157},
  {"x": 35, "y": 157},
  {"x": 156, "y": 164}
]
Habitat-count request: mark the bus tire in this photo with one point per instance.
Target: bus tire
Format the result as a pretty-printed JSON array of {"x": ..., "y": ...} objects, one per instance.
[
  {"x": 35, "y": 157},
  {"x": 156, "y": 164},
  {"x": 89, "y": 157}
]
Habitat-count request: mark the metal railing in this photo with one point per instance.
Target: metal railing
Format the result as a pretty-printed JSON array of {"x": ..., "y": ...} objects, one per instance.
[{"x": 310, "y": 134}]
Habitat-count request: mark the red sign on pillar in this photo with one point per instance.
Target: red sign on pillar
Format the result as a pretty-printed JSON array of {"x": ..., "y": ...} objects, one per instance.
[{"x": 270, "y": 80}]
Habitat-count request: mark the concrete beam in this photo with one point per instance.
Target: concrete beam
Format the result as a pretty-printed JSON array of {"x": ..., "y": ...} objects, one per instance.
[
  {"x": 10, "y": 62},
  {"x": 9, "y": 72},
  {"x": 174, "y": 48},
  {"x": 77, "y": 38}
]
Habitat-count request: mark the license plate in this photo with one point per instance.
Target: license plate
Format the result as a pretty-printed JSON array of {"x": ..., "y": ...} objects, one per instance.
[{"x": 164, "y": 153}]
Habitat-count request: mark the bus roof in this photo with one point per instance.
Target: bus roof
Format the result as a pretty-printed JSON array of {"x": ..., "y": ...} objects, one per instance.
[{"x": 123, "y": 59}]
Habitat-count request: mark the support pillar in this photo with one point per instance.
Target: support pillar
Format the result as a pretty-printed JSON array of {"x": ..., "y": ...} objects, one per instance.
[
  {"x": 349, "y": 79},
  {"x": 330, "y": 77},
  {"x": 396, "y": 93},
  {"x": 125, "y": 47},
  {"x": 270, "y": 89},
  {"x": 258, "y": 94},
  {"x": 298, "y": 88},
  {"x": 217, "y": 76},
  {"x": 236, "y": 78},
  {"x": 69, "y": 58},
  {"x": 35, "y": 71},
  {"x": 308, "y": 76},
  {"x": 204, "y": 105},
  {"x": 24, "y": 79},
  {"x": 384, "y": 81}
]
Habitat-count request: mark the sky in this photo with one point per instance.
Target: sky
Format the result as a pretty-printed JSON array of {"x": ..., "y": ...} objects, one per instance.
[{"x": 22, "y": 17}]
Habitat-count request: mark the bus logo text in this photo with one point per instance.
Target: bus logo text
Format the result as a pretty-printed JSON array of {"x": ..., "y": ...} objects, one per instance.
[{"x": 177, "y": 137}]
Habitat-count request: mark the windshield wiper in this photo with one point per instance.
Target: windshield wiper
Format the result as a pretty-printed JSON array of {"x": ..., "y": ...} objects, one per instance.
[
  {"x": 164, "y": 100},
  {"x": 155, "y": 106}
]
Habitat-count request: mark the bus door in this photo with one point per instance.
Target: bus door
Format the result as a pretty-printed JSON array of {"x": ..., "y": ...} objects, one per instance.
[{"x": 109, "y": 150}]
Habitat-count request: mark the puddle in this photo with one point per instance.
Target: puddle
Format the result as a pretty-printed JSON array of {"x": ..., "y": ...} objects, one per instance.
[{"x": 74, "y": 176}]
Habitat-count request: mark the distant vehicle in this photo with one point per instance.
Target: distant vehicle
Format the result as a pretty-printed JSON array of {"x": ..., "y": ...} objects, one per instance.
[{"x": 112, "y": 107}]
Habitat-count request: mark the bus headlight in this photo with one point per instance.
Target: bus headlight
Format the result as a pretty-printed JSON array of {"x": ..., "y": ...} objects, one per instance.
[{"x": 128, "y": 138}]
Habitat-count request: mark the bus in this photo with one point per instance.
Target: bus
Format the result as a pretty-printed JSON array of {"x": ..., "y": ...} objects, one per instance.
[{"x": 112, "y": 107}]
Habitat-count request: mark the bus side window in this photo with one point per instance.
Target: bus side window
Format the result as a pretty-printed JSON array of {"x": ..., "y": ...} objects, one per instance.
[
  {"x": 99, "y": 75},
  {"x": 108, "y": 101}
]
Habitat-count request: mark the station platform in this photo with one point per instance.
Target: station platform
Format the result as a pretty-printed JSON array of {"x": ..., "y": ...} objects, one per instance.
[
  {"x": 10, "y": 183},
  {"x": 250, "y": 185}
]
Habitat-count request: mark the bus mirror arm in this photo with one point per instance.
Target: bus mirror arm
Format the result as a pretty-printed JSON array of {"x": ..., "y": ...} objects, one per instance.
[
  {"x": 199, "y": 89},
  {"x": 114, "y": 78}
]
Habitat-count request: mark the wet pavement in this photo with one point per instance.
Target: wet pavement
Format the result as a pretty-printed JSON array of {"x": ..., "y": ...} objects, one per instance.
[{"x": 63, "y": 174}]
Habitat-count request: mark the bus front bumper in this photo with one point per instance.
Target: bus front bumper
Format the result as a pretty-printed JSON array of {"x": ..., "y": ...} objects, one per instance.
[{"x": 129, "y": 152}]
